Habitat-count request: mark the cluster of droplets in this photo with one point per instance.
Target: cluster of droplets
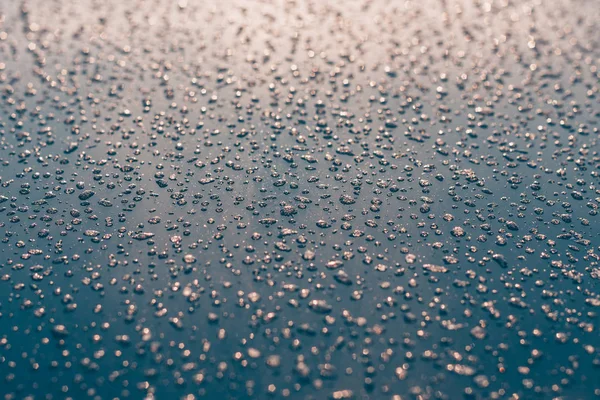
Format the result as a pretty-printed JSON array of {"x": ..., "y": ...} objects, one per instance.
[{"x": 306, "y": 200}]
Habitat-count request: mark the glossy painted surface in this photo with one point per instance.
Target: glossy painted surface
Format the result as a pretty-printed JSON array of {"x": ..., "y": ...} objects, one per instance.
[{"x": 303, "y": 200}]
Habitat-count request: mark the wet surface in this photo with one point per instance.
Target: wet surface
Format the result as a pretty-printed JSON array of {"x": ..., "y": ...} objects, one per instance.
[{"x": 303, "y": 200}]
